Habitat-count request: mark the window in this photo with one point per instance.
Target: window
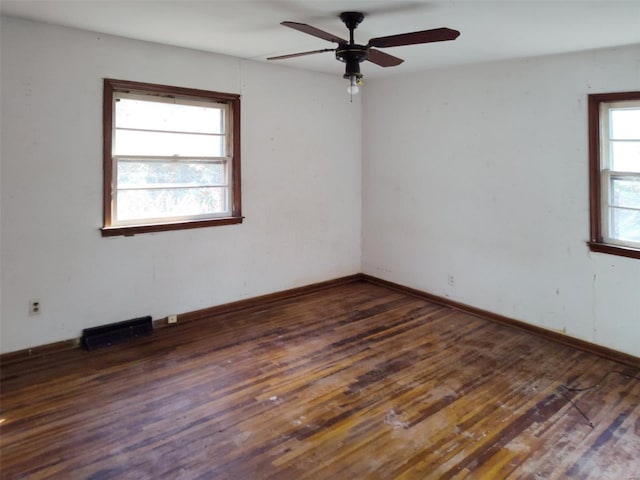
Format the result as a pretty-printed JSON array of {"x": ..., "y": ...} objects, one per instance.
[
  {"x": 171, "y": 158},
  {"x": 614, "y": 151}
]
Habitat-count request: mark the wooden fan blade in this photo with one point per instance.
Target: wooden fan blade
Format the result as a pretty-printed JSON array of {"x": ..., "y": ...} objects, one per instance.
[
  {"x": 424, "y": 36},
  {"x": 293, "y": 55},
  {"x": 383, "y": 59},
  {"x": 308, "y": 29}
]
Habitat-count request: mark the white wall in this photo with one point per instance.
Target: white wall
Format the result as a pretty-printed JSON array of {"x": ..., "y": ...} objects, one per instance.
[
  {"x": 480, "y": 172},
  {"x": 477, "y": 171},
  {"x": 300, "y": 186}
]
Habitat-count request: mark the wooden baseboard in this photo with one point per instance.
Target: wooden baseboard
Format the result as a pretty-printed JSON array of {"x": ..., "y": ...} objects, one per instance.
[
  {"x": 599, "y": 350},
  {"x": 51, "y": 348},
  {"x": 39, "y": 351},
  {"x": 259, "y": 300}
]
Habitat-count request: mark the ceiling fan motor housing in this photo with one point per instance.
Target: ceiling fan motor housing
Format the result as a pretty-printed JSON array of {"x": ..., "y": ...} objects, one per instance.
[{"x": 352, "y": 55}]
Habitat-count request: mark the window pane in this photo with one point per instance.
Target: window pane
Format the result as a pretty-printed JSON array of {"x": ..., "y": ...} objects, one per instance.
[
  {"x": 625, "y": 192},
  {"x": 625, "y": 156},
  {"x": 164, "y": 203},
  {"x": 168, "y": 116},
  {"x": 168, "y": 144},
  {"x": 141, "y": 174},
  {"x": 625, "y": 225},
  {"x": 625, "y": 123}
]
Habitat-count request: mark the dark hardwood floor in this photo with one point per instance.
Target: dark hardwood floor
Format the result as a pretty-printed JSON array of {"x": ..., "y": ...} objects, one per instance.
[{"x": 353, "y": 382}]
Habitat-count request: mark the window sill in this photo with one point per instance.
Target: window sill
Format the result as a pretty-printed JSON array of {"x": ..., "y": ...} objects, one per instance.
[
  {"x": 614, "y": 249},
  {"x": 130, "y": 230}
]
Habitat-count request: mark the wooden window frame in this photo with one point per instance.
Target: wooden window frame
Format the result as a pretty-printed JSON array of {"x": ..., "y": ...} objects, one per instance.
[
  {"x": 597, "y": 242},
  {"x": 112, "y": 86}
]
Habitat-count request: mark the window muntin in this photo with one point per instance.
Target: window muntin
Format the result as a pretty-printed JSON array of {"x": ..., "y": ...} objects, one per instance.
[
  {"x": 615, "y": 173},
  {"x": 171, "y": 158}
]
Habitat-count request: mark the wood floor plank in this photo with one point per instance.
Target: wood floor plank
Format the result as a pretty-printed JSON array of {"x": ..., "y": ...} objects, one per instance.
[{"x": 351, "y": 382}]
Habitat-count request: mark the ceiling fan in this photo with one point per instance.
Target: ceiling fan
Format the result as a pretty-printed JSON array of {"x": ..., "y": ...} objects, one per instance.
[{"x": 352, "y": 54}]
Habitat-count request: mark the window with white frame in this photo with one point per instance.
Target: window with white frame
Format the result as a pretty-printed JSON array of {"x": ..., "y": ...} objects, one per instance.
[
  {"x": 615, "y": 173},
  {"x": 172, "y": 158}
]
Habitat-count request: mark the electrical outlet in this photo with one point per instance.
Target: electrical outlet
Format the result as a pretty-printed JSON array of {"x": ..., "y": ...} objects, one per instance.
[
  {"x": 172, "y": 319},
  {"x": 34, "y": 307},
  {"x": 452, "y": 280}
]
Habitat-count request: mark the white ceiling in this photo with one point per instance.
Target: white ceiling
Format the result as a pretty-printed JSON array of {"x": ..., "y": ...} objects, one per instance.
[{"x": 250, "y": 29}]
